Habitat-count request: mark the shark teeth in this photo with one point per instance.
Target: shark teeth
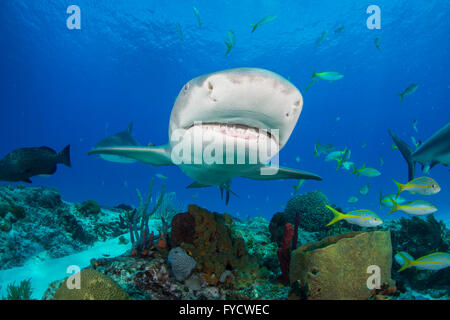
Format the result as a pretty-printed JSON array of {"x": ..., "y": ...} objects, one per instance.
[{"x": 234, "y": 130}]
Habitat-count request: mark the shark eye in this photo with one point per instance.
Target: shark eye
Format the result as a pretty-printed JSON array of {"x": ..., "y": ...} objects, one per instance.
[{"x": 186, "y": 87}]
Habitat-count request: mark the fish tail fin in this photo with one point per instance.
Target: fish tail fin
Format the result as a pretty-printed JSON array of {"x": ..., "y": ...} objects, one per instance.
[
  {"x": 64, "y": 156},
  {"x": 408, "y": 262},
  {"x": 401, "y": 96},
  {"x": 395, "y": 207},
  {"x": 130, "y": 127},
  {"x": 399, "y": 187},
  {"x": 406, "y": 152},
  {"x": 229, "y": 46},
  {"x": 381, "y": 198},
  {"x": 337, "y": 216},
  {"x": 254, "y": 26},
  {"x": 314, "y": 74},
  {"x": 355, "y": 171}
]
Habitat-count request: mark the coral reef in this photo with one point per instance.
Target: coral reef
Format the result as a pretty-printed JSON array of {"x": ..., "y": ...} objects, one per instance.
[
  {"x": 149, "y": 277},
  {"x": 213, "y": 246},
  {"x": 89, "y": 207},
  {"x": 284, "y": 253},
  {"x": 336, "y": 267},
  {"x": 94, "y": 286},
  {"x": 309, "y": 211},
  {"x": 313, "y": 213},
  {"x": 35, "y": 225},
  {"x": 420, "y": 236},
  {"x": 137, "y": 222}
]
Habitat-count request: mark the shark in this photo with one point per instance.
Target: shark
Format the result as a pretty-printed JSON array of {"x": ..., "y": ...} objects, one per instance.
[
  {"x": 435, "y": 150},
  {"x": 248, "y": 108},
  {"x": 119, "y": 139}
]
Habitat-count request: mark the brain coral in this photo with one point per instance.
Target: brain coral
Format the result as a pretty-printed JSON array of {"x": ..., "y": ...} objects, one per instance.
[
  {"x": 313, "y": 213},
  {"x": 181, "y": 263},
  {"x": 94, "y": 286}
]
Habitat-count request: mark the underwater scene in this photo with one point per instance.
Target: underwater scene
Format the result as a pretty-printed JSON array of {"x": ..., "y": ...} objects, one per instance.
[{"x": 224, "y": 150}]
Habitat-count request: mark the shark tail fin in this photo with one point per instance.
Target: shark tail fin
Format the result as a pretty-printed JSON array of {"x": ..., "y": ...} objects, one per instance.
[
  {"x": 64, "y": 156},
  {"x": 337, "y": 216},
  {"x": 408, "y": 262},
  {"x": 406, "y": 152}
]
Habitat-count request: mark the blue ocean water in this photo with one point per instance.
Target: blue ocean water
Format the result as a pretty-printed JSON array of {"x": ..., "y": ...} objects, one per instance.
[{"x": 128, "y": 63}]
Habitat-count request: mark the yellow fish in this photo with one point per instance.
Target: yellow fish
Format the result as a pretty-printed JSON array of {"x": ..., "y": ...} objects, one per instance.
[
  {"x": 434, "y": 261},
  {"x": 424, "y": 185},
  {"x": 417, "y": 207},
  {"x": 362, "y": 218}
]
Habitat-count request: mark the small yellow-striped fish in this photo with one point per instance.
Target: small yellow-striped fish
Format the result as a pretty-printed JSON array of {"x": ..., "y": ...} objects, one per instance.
[
  {"x": 417, "y": 207},
  {"x": 366, "y": 171},
  {"x": 424, "y": 185},
  {"x": 434, "y": 261},
  {"x": 388, "y": 200},
  {"x": 362, "y": 218}
]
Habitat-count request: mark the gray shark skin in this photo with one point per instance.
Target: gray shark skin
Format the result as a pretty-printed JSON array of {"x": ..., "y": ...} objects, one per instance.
[
  {"x": 229, "y": 104},
  {"x": 119, "y": 139},
  {"x": 435, "y": 150}
]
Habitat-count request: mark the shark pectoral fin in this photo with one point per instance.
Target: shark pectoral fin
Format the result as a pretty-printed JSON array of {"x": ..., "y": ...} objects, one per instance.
[
  {"x": 159, "y": 155},
  {"x": 274, "y": 173},
  {"x": 196, "y": 184}
]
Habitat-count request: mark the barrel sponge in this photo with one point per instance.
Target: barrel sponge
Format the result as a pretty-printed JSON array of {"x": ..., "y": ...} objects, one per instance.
[
  {"x": 94, "y": 286},
  {"x": 181, "y": 263}
]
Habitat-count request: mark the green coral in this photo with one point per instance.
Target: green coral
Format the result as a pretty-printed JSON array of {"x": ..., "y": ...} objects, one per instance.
[
  {"x": 94, "y": 286},
  {"x": 89, "y": 207}
]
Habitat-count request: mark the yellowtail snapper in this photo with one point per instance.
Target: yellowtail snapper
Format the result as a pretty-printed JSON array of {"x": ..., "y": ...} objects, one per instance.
[
  {"x": 328, "y": 75},
  {"x": 433, "y": 261},
  {"x": 416, "y": 207},
  {"x": 362, "y": 217},
  {"x": 409, "y": 90},
  {"x": 197, "y": 15},
  {"x": 366, "y": 171},
  {"x": 389, "y": 199},
  {"x": 263, "y": 21},
  {"x": 424, "y": 186},
  {"x": 231, "y": 41}
]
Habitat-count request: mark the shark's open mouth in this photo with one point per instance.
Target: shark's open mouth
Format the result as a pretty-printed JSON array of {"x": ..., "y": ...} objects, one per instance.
[{"x": 235, "y": 130}]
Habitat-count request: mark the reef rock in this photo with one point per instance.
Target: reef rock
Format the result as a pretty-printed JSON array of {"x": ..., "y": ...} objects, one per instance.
[
  {"x": 213, "y": 244},
  {"x": 335, "y": 268},
  {"x": 36, "y": 225}
]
